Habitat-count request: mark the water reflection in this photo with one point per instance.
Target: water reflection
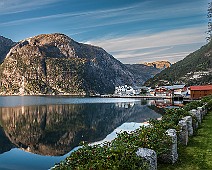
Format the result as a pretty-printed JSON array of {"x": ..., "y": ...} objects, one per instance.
[
  {"x": 165, "y": 103},
  {"x": 56, "y": 129},
  {"x": 5, "y": 144}
]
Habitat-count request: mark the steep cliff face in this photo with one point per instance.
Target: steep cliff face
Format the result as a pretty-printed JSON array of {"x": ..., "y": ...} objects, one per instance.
[
  {"x": 159, "y": 64},
  {"x": 56, "y": 64},
  {"x": 5, "y": 45}
]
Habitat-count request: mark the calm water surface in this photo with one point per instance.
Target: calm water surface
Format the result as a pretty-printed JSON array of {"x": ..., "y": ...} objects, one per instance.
[{"x": 37, "y": 132}]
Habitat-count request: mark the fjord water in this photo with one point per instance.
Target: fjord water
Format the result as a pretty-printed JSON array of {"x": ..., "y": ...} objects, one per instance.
[{"x": 38, "y": 131}]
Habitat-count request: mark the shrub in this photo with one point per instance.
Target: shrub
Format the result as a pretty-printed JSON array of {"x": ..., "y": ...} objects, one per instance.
[
  {"x": 192, "y": 105},
  {"x": 209, "y": 105},
  {"x": 119, "y": 153},
  {"x": 106, "y": 156},
  {"x": 206, "y": 99}
]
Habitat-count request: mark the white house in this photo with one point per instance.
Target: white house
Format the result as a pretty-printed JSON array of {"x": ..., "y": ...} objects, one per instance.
[{"x": 126, "y": 90}]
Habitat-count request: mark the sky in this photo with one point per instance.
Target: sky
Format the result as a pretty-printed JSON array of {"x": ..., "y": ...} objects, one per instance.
[{"x": 133, "y": 31}]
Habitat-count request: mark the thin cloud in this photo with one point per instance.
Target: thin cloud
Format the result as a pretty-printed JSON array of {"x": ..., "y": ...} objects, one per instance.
[
  {"x": 15, "y": 6},
  {"x": 140, "y": 13},
  {"x": 103, "y": 17},
  {"x": 156, "y": 45},
  {"x": 140, "y": 52},
  {"x": 162, "y": 39},
  {"x": 90, "y": 15},
  {"x": 171, "y": 57}
]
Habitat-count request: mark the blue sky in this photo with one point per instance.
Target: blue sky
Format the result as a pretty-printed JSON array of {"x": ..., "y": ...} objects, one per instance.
[{"x": 133, "y": 31}]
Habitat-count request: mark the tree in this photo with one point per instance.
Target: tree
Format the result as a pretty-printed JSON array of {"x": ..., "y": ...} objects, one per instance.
[{"x": 209, "y": 16}]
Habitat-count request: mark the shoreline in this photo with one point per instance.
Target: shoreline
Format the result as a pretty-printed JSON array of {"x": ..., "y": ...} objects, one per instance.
[{"x": 173, "y": 98}]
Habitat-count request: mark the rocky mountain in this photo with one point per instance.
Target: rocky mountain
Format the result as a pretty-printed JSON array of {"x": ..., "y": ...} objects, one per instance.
[
  {"x": 5, "y": 46},
  {"x": 56, "y": 64},
  {"x": 142, "y": 72},
  {"x": 195, "y": 69},
  {"x": 158, "y": 64}
]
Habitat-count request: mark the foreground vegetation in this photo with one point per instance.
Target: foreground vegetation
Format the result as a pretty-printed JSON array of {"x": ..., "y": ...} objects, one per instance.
[
  {"x": 198, "y": 154},
  {"x": 121, "y": 152}
]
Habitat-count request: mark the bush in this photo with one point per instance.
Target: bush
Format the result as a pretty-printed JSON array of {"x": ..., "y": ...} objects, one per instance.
[
  {"x": 154, "y": 138},
  {"x": 106, "y": 156},
  {"x": 206, "y": 99},
  {"x": 209, "y": 105},
  {"x": 193, "y": 105},
  {"x": 119, "y": 153}
]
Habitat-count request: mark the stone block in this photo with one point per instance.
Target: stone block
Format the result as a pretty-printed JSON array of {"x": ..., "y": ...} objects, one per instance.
[
  {"x": 197, "y": 116},
  {"x": 200, "y": 111},
  {"x": 149, "y": 156},
  {"x": 183, "y": 135},
  {"x": 204, "y": 110},
  {"x": 188, "y": 120},
  {"x": 171, "y": 156}
]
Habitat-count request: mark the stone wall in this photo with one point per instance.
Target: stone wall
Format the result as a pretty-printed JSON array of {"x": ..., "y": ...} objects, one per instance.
[{"x": 187, "y": 127}]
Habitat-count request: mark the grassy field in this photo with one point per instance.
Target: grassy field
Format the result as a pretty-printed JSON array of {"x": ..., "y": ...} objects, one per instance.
[{"x": 198, "y": 154}]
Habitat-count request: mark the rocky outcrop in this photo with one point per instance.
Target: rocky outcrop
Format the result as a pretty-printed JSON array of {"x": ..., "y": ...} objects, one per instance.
[
  {"x": 56, "y": 64},
  {"x": 5, "y": 46},
  {"x": 158, "y": 64}
]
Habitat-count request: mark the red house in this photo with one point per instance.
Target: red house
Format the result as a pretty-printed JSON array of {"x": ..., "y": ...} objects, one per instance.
[{"x": 200, "y": 91}]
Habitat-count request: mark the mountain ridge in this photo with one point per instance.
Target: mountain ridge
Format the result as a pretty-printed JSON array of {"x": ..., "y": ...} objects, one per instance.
[{"x": 56, "y": 64}]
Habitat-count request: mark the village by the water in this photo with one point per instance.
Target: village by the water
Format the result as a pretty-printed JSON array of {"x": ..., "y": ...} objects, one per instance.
[{"x": 176, "y": 92}]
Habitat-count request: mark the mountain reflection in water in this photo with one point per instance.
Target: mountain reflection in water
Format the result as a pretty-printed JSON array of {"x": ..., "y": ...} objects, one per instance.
[{"x": 56, "y": 129}]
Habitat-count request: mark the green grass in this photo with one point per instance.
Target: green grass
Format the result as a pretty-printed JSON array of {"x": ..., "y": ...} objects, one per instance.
[{"x": 198, "y": 154}]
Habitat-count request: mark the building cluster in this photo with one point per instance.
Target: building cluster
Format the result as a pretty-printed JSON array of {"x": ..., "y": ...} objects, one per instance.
[
  {"x": 127, "y": 90},
  {"x": 197, "y": 74},
  {"x": 193, "y": 92},
  {"x": 175, "y": 90}
]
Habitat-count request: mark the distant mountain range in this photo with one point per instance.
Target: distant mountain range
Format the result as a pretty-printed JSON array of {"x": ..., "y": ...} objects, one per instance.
[
  {"x": 142, "y": 72},
  {"x": 56, "y": 64},
  {"x": 195, "y": 69}
]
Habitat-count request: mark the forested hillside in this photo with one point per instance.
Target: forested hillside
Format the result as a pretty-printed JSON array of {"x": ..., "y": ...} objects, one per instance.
[{"x": 196, "y": 68}]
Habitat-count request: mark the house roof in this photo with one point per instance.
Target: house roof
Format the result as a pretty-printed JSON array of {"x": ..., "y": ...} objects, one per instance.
[{"x": 206, "y": 87}]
